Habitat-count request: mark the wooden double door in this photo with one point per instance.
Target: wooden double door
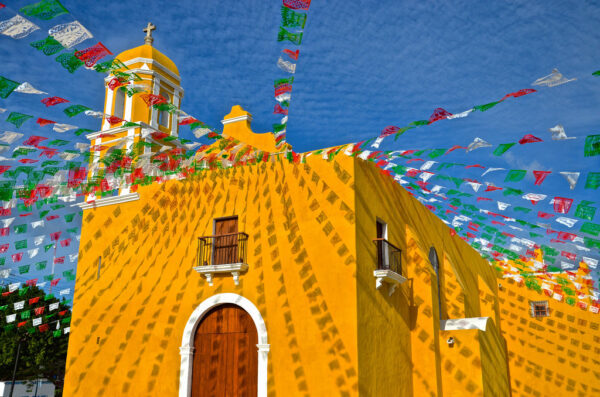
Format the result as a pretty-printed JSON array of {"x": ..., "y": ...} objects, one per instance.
[
  {"x": 225, "y": 355},
  {"x": 226, "y": 241}
]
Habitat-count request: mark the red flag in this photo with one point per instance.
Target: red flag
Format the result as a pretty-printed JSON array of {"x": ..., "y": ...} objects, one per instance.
[
  {"x": 483, "y": 199},
  {"x": 188, "y": 120},
  {"x": 279, "y": 110},
  {"x": 55, "y": 236},
  {"x": 4, "y": 231},
  {"x": 49, "y": 153},
  {"x": 282, "y": 89},
  {"x": 529, "y": 139},
  {"x": 60, "y": 260},
  {"x": 114, "y": 120},
  {"x": 27, "y": 161},
  {"x": 92, "y": 54},
  {"x": 474, "y": 166},
  {"x": 4, "y": 168},
  {"x": 43, "y": 328},
  {"x": 54, "y": 282},
  {"x": 152, "y": 99},
  {"x": 35, "y": 300},
  {"x": 115, "y": 83},
  {"x": 439, "y": 114},
  {"x": 566, "y": 236},
  {"x": 540, "y": 176},
  {"x": 453, "y": 148},
  {"x": 297, "y": 4},
  {"x": 562, "y": 205},
  {"x": 53, "y": 100},
  {"x": 42, "y": 122},
  {"x": 491, "y": 188},
  {"x": 39, "y": 311},
  {"x": 568, "y": 255},
  {"x": 21, "y": 324},
  {"x": 17, "y": 257},
  {"x": 544, "y": 215},
  {"x": 62, "y": 313},
  {"x": 65, "y": 242},
  {"x": 31, "y": 282},
  {"x": 34, "y": 140},
  {"x": 519, "y": 93},
  {"x": 292, "y": 54}
]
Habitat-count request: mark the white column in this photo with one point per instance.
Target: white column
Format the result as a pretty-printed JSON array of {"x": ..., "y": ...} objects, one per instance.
[{"x": 108, "y": 106}]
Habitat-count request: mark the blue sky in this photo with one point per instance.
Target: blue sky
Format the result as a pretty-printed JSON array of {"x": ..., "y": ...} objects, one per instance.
[{"x": 363, "y": 65}]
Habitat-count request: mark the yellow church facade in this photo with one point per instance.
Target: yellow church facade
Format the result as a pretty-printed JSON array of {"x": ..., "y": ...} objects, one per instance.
[{"x": 278, "y": 279}]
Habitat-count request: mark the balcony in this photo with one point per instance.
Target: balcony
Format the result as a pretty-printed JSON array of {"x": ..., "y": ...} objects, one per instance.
[
  {"x": 389, "y": 265},
  {"x": 224, "y": 253}
]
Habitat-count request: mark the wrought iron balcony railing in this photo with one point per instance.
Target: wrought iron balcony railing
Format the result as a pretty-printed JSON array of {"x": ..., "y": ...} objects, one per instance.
[
  {"x": 388, "y": 256},
  {"x": 223, "y": 249}
]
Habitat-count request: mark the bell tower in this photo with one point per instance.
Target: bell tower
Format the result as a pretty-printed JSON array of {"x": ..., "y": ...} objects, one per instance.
[{"x": 142, "y": 102}]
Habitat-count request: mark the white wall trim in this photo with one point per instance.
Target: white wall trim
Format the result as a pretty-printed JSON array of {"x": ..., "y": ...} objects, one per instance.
[
  {"x": 153, "y": 62},
  {"x": 239, "y": 118},
  {"x": 457, "y": 324},
  {"x": 123, "y": 198},
  {"x": 187, "y": 343}
]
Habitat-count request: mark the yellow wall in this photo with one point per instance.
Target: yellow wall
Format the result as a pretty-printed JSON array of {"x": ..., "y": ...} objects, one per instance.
[
  {"x": 128, "y": 324},
  {"x": 557, "y": 355},
  {"x": 400, "y": 335}
]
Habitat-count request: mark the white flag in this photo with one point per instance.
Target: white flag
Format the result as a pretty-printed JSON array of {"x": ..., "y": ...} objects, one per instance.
[
  {"x": 10, "y": 137},
  {"x": 477, "y": 143},
  {"x": 10, "y": 318},
  {"x": 460, "y": 115},
  {"x": 591, "y": 262},
  {"x": 502, "y": 206},
  {"x": 37, "y": 321},
  {"x": 93, "y": 113},
  {"x": 37, "y": 240},
  {"x": 66, "y": 291},
  {"x": 552, "y": 80},
  {"x": 53, "y": 306},
  {"x": 534, "y": 197},
  {"x": 569, "y": 222},
  {"x": 571, "y": 177},
  {"x": 26, "y": 88},
  {"x": 286, "y": 66},
  {"x": 5, "y": 273},
  {"x": 17, "y": 27},
  {"x": 70, "y": 34},
  {"x": 32, "y": 252},
  {"x": 19, "y": 305},
  {"x": 67, "y": 330},
  {"x": 559, "y": 134},
  {"x": 73, "y": 257},
  {"x": 60, "y": 128},
  {"x": 7, "y": 222},
  {"x": 37, "y": 224},
  {"x": 13, "y": 287},
  {"x": 428, "y": 164}
]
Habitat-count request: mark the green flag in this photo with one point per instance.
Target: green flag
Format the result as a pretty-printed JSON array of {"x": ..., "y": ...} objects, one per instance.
[
  {"x": 419, "y": 123},
  {"x": 7, "y": 86},
  {"x": 17, "y": 118},
  {"x": 596, "y": 73},
  {"x": 24, "y": 269},
  {"x": 592, "y": 146},
  {"x": 436, "y": 153},
  {"x": 25, "y": 314},
  {"x": 21, "y": 244},
  {"x": 502, "y": 148},
  {"x": 49, "y": 46},
  {"x": 23, "y": 291},
  {"x": 510, "y": 191},
  {"x": 44, "y": 10},
  {"x": 292, "y": 19},
  {"x": 60, "y": 142},
  {"x": 485, "y": 107},
  {"x": 515, "y": 175},
  {"x": 40, "y": 265},
  {"x": 80, "y": 131},
  {"x": 522, "y": 209},
  {"x": 69, "y": 62},
  {"x": 47, "y": 247},
  {"x": 584, "y": 211},
  {"x": 591, "y": 243},
  {"x": 593, "y": 180},
  {"x": 74, "y": 110},
  {"x": 20, "y": 228},
  {"x": 295, "y": 38},
  {"x": 590, "y": 228}
]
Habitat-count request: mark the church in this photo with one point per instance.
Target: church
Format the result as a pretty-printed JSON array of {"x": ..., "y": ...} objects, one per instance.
[{"x": 325, "y": 278}]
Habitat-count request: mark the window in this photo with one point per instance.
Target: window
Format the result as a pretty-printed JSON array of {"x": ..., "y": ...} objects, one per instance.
[
  {"x": 382, "y": 248},
  {"x": 539, "y": 309},
  {"x": 435, "y": 263},
  {"x": 163, "y": 115},
  {"x": 119, "y": 107}
]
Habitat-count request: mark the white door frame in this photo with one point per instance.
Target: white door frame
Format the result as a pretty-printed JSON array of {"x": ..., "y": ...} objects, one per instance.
[{"x": 187, "y": 343}]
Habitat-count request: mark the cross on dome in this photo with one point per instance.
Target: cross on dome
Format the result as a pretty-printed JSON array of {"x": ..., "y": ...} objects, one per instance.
[{"x": 148, "y": 29}]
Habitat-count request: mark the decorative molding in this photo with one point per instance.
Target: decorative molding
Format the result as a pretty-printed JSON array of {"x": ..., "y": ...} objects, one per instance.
[
  {"x": 234, "y": 268},
  {"x": 235, "y": 119},
  {"x": 123, "y": 198},
  {"x": 149, "y": 61},
  {"x": 388, "y": 276},
  {"x": 458, "y": 324},
  {"x": 187, "y": 342}
]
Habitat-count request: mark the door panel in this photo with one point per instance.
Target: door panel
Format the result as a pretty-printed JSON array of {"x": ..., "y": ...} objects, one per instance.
[
  {"x": 225, "y": 359},
  {"x": 226, "y": 241}
]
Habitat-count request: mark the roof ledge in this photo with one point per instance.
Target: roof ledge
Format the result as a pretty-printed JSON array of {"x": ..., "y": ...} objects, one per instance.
[{"x": 458, "y": 324}]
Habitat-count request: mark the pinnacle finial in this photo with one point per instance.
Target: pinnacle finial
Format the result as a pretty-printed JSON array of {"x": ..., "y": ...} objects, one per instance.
[{"x": 148, "y": 29}]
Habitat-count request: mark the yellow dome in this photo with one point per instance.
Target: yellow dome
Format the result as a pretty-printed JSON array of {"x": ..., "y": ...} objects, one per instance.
[{"x": 147, "y": 51}]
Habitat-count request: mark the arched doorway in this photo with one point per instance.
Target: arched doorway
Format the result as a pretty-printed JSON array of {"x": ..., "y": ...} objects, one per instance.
[{"x": 225, "y": 361}]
